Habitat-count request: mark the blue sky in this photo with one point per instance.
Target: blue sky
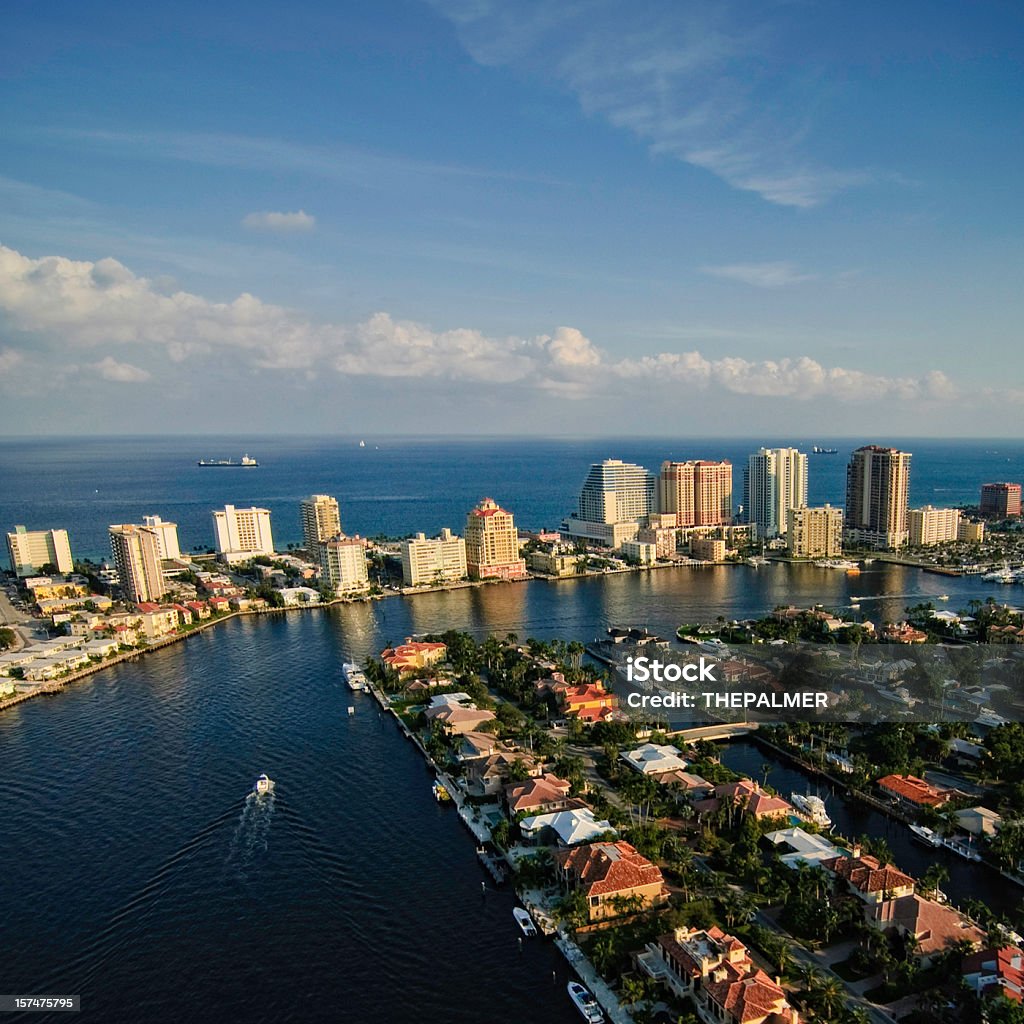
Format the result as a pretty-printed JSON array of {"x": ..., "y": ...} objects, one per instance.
[{"x": 463, "y": 215}]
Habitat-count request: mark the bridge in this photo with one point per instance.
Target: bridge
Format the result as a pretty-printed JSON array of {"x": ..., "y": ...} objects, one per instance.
[{"x": 721, "y": 731}]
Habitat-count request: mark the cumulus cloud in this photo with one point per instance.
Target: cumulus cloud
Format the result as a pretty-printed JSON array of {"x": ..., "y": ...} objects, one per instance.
[
  {"x": 761, "y": 275},
  {"x": 270, "y": 220},
  {"x": 59, "y": 306},
  {"x": 124, "y": 373}
]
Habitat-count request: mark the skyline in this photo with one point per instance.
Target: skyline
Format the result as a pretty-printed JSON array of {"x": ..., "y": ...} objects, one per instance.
[{"x": 640, "y": 224}]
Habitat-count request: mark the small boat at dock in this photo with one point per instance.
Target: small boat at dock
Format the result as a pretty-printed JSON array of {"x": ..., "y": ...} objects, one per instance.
[
  {"x": 441, "y": 794},
  {"x": 584, "y": 1001},
  {"x": 525, "y": 922}
]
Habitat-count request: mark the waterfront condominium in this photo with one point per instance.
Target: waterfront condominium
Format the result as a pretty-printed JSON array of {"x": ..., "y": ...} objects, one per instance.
[
  {"x": 242, "y": 533},
  {"x": 492, "y": 544},
  {"x": 774, "y": 481},
  {"x": 929, "y": 525},
  {"x": 343, "y": 564},
  {"x": 814, "y": 532},
  {"x": 615, "y": 500},
  {"x": 320, "y": 521},
  {"x": 697, "y": 493},
  {"x": 30, "y": 550},
  {"x": 1000, "y": 501},
  {"x": 433, "y": 560},
  {"x": 136, "y": 551},
  {"x": 167, "y": 535},
  {"x": 877, "y": 489}
]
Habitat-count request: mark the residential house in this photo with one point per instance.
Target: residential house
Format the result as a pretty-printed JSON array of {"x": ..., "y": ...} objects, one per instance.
[
  {"x": 654, "y": 759},
  {"x": 996, "y": 972},
  {"x": 912, "y": 792},
  {"x": 685, "y": 785},
  {"x": 541, "y": 795},
  {"x": 934, "y": 927},
  {"x": 979, "y": 821},
  {"x": 612, "y": 876},
  {"x": 747, "y": 797},
  {"x": 564, "y": 828},
  {"x": 871, "y": 881},
  {"x": 486, "y": 776},
  {"x": 413, "y": 656},
  {"x": 458, "y": 720},
  {"x": 475, "y": 745},
  {"x": 716, "y": 971},
  {"x": 804, "y": 847}
]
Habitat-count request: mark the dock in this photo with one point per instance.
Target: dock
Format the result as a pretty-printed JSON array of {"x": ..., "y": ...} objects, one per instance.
[
  {"x": 613, "y": 1009},
  {"x": 494, "y": 865}
]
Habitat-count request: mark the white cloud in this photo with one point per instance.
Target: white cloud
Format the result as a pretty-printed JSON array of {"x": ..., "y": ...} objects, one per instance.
[
  {"x": 269, "y": 220},
  {"x": 761, "y": 275},
  {"x": 124, "y": 373},
  {"x": 697, "y": 82},
  {"x": 54, "y": 307}
]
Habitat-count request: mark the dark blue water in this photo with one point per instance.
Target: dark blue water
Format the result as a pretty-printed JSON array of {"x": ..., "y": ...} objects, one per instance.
[
  {"x": 136, "y": 872},
  {"x": 395, "y": 486}
]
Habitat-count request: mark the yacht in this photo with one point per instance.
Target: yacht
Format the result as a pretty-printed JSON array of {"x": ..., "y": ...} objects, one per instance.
[
  {"x": 588, "y": 1006},
  {"x": 712, "y": 645},
  {"x": 525, "y": 922},
  {"x": 837, "y": 563},
  {"x": 926, "y": 835},
  {"x": 353, "y": 676},
  {"x": 264, "y": 784},
  {"x": 813, "y": 807}
]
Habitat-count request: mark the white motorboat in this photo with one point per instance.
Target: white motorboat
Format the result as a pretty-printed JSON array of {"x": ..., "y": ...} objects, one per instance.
[
  {"x": 264, "y": 785},
  {"x": 813, "y": 807},
  {"x": 354, "y": 676},
  {"x": 926, "y": 835},
  {"x": 525, "y": 922},
  {"x": 712, "y": 645},
  {"x": 590, "y": 1009}
]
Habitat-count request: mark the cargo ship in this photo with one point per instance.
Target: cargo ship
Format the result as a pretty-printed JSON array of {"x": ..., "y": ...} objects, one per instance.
[{"x": 246, "y": 463}]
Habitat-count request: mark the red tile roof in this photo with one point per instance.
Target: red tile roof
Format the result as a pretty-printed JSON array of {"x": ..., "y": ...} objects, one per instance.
[
  {"x": 603, "y": 868},
  {"x": 1006, "y": 963},
  {"x": 752, "y": 997},
  {"x": 867, "y": 874},
  {"x": 914, "y": 790},
  {"x": 534, "y": 793}
]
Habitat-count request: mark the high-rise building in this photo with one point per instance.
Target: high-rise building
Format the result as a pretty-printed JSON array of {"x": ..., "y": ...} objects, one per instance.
[
  {"x": 615, "y": 498},
  {"x": 697, "y": 493},
  {"x": 30, "y": 550},
  {"x": 492, "y": 543},
  {"x": 167, "y": 533},
  {"x": 242, "y": 533},
  {"x": 433, "y": 560},
  {"x": 343, "y": 564},
  {"x": 320, "y": 521},
  {"x": 774, "y": 481},
  {"x": 877, "y": 489},
  {"x": 136, "y": 551},
  {"x": 712, "y": 493},
  {"x": 1000, "y": 501},
  {"x": 929, "y": 525},
  {"x": 814, "y": 532}
]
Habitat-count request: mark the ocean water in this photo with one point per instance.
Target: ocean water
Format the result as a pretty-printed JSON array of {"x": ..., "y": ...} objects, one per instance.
[
  {"x": 397, "y": 486},
  {"x": 136, "y": 870}
]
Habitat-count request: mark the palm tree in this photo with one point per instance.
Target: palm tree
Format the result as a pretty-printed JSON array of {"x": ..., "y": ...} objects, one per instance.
[{"x": 828, "y": 995}]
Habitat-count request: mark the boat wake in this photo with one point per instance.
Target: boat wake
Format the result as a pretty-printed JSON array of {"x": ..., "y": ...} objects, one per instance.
[{"x": 250, "y": 839}]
